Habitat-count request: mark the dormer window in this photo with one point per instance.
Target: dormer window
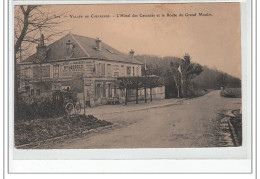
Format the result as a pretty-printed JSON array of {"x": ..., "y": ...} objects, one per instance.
[{"x": 70, "y": 49}]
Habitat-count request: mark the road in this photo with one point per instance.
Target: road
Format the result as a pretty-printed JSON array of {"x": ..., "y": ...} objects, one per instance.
[{"x": 188, "y": 123}]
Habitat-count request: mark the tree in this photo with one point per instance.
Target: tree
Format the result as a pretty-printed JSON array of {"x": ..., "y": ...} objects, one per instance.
[
  {"x": 138, "y": 82},
  {"x": 161, "y": 66},
  {"x": 174, "y": 72},
  {"x": 188, "y": 71},
  {"x": 29, "y": 22},
  {"x": 214, "y": 79},
  {"x": 133, "y": 82},
  {"x": 151, "y": 82},
  {"x": 222, "y": 80},
  {"x": 124, "y": 83}
]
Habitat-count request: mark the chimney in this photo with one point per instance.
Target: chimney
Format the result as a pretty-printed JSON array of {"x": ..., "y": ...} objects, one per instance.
[
  {"x": 132, "y": 53},
  {"x": 98, "y": 44},
  {"x": 41, "y": 50}
]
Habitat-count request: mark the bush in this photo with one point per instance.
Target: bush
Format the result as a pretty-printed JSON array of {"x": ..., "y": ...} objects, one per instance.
[
  {"x": 38, "y": 108},
  {"x": 231, "y": 93}
]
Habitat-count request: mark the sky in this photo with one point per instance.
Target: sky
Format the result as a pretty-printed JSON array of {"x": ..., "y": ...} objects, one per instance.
[{"x": 212, "y": 40}]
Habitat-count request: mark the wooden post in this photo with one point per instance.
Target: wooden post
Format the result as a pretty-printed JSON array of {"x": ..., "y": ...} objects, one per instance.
[
  {"x": 84, "y": 101},
  {"x": 151, "y": 95},
  {"x": 125, "y": 96},
  {"x": 136, "y": 95},
  {"x": 145, "y": 100}
]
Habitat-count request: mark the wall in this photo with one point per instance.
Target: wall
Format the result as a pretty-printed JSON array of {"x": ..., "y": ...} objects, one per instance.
[
  {"x": 68, "y": 69},
  {"x": 61, "y": 73}
]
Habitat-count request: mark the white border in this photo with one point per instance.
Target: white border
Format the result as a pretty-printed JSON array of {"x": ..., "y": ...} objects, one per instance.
[
  {"x": 182, "y": 166},
  {"x": 17, "y": 2}
]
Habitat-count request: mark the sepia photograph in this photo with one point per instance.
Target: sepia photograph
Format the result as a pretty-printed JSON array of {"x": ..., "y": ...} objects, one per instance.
[{"x": 127, "y": 76}]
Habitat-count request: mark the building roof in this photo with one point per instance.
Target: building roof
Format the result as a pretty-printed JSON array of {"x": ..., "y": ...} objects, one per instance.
[{"x": 84, "y": 47}]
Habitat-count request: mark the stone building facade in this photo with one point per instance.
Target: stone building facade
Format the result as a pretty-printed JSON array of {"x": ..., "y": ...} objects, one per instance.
[{"x": 79, "y": 63}]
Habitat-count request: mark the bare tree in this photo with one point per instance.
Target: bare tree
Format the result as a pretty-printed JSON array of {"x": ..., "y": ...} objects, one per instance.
[{"x": 29, "y": 22}]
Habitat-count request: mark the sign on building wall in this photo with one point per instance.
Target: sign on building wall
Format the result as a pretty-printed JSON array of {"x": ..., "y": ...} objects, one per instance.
[{"x": 72, "y": 68}]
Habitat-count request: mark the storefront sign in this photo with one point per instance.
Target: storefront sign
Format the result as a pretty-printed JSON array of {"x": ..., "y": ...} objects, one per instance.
[{"x": 72, "y": 68}]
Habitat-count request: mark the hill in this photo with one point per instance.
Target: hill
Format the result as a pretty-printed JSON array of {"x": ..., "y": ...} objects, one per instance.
[{"x": 208, "y": 79}]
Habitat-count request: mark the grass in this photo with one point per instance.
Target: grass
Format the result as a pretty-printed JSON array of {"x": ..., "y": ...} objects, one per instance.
[
  {"x": 237, "y": 124},
  {"x": 27, "y": 132}
]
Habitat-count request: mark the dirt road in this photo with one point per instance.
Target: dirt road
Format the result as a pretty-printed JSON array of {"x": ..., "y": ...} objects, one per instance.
[{"x": 189, "y": 123}]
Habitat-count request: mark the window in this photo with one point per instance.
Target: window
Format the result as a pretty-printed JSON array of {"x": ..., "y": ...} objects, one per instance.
[
  {"x": 98, "y": 91},
  {"x": 32, "y": 91},
  {"x": 109, "y": 91},
  {"x": 27, "y": 88},
  {"x": 36, "y": 72},
  {"x": 27, "y": 72},
  {"x": 116, "y": 74},
  {"x": 138, "y": 71},
  {"x": 133, "y": 71},
  {"x": 116, "y": 71},
  {"x": 47, "y": 86},
  {"x": 116, "y": 68},
  {"x": 100, "y": 70},
  {"x": 115, "y": 94},
  {"x": 56, "y": 71},
  {"x": 46, "y": 71},
  {"x": 104, "y": 90},
  {"x": 109, "y": 70},
  {"x": 122, "y": 70},
  {"x": 128, "y": 70},
  {"x": 103, "y": 70},
  {"x": 38, "y": 92}
]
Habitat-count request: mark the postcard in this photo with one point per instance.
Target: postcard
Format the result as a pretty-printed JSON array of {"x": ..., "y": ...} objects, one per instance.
[{"x": 150, "y": 78}]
